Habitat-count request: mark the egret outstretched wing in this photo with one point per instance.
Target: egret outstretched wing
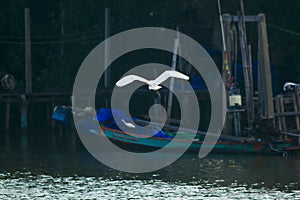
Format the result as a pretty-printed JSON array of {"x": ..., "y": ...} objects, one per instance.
[
  {"x": 169, "y": 74},
  {"x": 289, "y": 86},
  {"x": 153, "y": 84},
  {"x": 128, "y": 124},
  {"x": 129, "y": 79}
]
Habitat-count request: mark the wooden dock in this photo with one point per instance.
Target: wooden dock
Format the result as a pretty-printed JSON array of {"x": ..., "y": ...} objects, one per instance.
[
  {"x": 27, "y": 110},
  {"x": 19, "y": 109},
  {"x": 287, "y": 112}
]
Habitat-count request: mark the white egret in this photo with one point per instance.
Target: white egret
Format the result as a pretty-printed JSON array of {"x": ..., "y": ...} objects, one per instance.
[
  {"x": 152, "y": 84},
  {"x": 289, "y": 86},
  {"x": 128, "y": 124}
]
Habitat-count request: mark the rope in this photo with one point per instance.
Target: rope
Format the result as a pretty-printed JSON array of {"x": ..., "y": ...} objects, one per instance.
[
  {"x": 225, "y": 68},
  {"x": 5, "y": 38},
  {"x": 283, "y": 29},
  {"x": 66, "y": 38},
  {"x": 54, "y": 42},
  {"x": 289, "y": 134}
]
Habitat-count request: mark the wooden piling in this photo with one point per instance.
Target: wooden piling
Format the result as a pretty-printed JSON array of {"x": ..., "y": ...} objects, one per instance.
[
  {"x": 295, "y": 110},
  {"x": 28, "y": 75},
  {"x": 295, "y": 107},
  {"x": 186, "y": 109},
  {"x": 266, "y": 93},
  {"x": 278, "y": 111},
  {"x": 26, "y": 111},
  {"x": 23, "y": 112},
  {"x": 62, "y": 27},
  {"x": 283, "y": 119},
  {"x": 52, "y": 105},
  {"x": 227, "y": 128},
  {"x": 48, "y": 113},
  {"x": 7, "y": 116},
  {"x": 246, "y": 67},
  {"x": 251, "y": 80},
  {"x": 228, "y": 39},
  {"x": 107, "y": 49},
  {"x": 297, "y": 95},
  {"x": 171, "y": 86}
]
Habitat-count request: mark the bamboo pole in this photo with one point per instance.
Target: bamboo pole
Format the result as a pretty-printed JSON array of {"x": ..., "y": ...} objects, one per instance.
[
  {"x": 23, "y": 112},
  {"x": 7, "y": 116},
  {"x": 171, "y": 87},
  {"x": 296, "y": 110},
  {"x": 107, "y": 48},
  {"x": 248, "y": 89},
  {"x": 296, "y": 116},
  {"x": 266, "y": 93},
  {"x": 283, "y": 120},
  {"x": 28, "y": 68},
  {"x": 278, "y": 111}
]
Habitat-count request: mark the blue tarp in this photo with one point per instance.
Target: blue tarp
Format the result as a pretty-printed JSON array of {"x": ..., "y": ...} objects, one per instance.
[
  {"x": 105, "y": 116},
  {"x": 62, "y": 114}
]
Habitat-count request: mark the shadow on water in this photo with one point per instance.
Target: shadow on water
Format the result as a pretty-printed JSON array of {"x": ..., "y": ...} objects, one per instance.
[{"x": 60, "y": 154}]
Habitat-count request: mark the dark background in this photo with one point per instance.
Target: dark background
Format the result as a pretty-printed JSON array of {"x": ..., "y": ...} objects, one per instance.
[{"x": 56, "y": 57}]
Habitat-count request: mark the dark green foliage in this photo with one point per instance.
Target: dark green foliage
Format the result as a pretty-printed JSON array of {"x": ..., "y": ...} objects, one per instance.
[{"x": 56, "y": 56}]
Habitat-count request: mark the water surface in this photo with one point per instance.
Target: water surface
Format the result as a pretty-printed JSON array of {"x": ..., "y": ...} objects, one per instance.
[{"x": 58, "y": 170}]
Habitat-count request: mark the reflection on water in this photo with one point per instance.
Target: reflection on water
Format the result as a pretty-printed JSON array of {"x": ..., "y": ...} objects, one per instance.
[
  {"x": 42, "y": 170},
  {"x": 26, "y": 185}
]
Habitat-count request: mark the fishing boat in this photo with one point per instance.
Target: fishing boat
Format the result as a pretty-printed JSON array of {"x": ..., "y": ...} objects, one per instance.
[
  {"x": 136, "y": 141},
  {"x": 259, "y": 135}
]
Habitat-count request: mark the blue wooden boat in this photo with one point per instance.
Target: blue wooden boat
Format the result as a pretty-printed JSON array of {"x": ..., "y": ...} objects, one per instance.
[{"x": 136, "y": 143}]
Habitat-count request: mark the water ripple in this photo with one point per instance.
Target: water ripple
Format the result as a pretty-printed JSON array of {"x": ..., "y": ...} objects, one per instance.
[{"x": 28, "y": 186}]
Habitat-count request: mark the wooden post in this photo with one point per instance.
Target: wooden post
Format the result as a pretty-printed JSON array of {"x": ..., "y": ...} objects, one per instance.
[
  {"x": 246, "y": 70},
  {"x": 28, "y": 75},
  {"x": 185, "y": 111},
  {"x": 281, "y": 103},
  {"x": 297, "y": 106},
  {"x": 62, "y": 28},
  {"x": 251, "y": 80},
  {"x": 107, "y": 48},
  {"x": 51, "y": 110},
  {"x": 278, "y": 110},
  {"x": 228, "y": 39},
  {"x": 180, "y": 67},
  {"x": 73, "y": 101},
  {"x": 48, "y": 113},
  {"x": 297, "y": 93},
  {"x": 246, "y": 59},
  {"x": 180, "y": 63},
  {"x": 266, "y": 93},
  {"x": 23, "y": 112},
  {"x": 7, "y": 137},
  {"x": 296, "y": 110},
  {"x": 227, "y": 128},
  {"x": 7, "y": 115},
  {"x": 259, "y": 82},
  {"x": 157, "y": 100},
  {"x": 165, "y": 100},
  {"x": 171, "y": 87}
]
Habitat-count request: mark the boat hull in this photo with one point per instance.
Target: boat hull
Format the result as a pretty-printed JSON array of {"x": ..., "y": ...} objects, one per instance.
[{"x": 138, "y": 144}]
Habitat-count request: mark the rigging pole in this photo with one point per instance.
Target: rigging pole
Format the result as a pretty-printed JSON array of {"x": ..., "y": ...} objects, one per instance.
[
  {"x": 225, "y": 68},
  {"x": 246, "y": 66}
]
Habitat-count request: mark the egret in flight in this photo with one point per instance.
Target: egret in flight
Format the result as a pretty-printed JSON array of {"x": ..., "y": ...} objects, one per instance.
[
  {"x": 152, "y": 84},
  {"x": 289, "y": 86},
  {"x": 128, "y": 124}
]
